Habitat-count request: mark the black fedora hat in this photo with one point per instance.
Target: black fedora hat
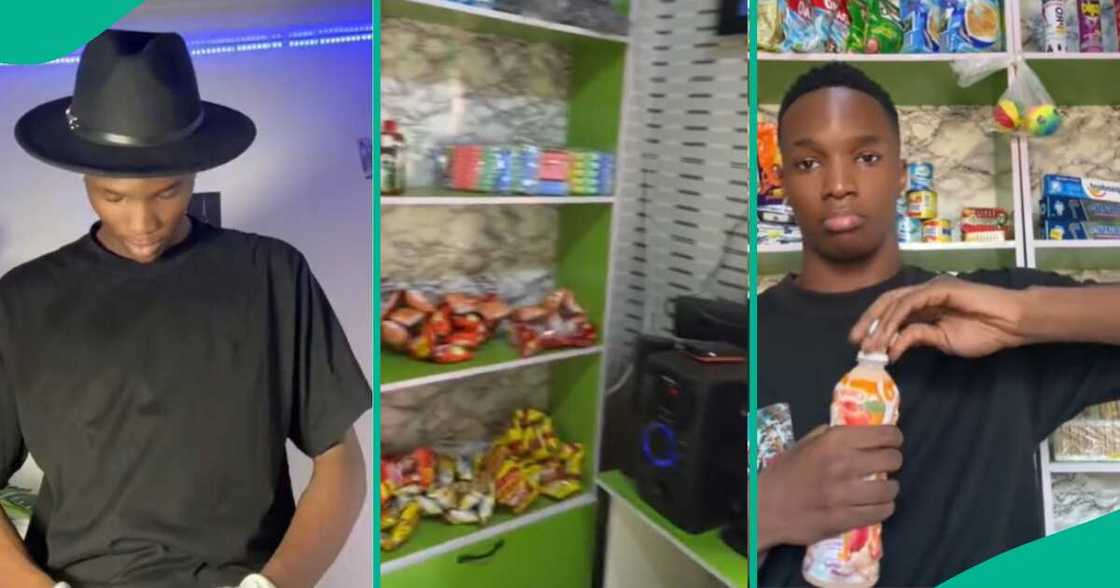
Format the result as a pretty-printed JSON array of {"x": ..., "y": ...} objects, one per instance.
[{"x": 135, "y": 112}]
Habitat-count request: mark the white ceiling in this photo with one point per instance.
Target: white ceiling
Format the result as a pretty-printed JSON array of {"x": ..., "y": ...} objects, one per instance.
[{"x": 200, "y": 18}]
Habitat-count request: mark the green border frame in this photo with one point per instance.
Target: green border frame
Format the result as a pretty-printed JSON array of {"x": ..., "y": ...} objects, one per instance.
[
  {"x": 375, "y": 295},
  {"x": 752, "y": 293}
]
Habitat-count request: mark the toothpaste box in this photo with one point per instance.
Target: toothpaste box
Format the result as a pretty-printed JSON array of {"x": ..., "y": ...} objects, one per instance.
[
  {"x": 1079, "y": 209},
  {"x": 1080, "y": 230},
  {"x": 1074, "y": 187}
]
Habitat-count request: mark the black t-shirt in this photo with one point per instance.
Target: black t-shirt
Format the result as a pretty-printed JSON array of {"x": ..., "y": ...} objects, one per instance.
[
  {"x": 969, "y": 482},
  {"x": 157, "y": 400}
]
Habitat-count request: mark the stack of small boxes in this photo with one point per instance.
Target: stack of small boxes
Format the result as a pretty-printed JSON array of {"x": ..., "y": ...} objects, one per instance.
[
  {"x": 1079, "y": 208},
  {"x": 528, "y": 169}
]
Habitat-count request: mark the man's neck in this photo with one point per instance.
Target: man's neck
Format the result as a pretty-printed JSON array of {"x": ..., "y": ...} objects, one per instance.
[{"x": 822, "y": 275}]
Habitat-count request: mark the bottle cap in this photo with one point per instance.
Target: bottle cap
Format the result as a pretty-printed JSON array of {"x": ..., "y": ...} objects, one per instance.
[{"x": 873, "y": 357}]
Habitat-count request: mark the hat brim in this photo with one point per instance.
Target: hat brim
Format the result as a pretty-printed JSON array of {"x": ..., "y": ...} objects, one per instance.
[{"x": 45, "y": 134}]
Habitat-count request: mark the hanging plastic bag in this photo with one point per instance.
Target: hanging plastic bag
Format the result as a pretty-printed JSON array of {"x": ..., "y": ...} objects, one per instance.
[{"x": 1025, "y": 108}]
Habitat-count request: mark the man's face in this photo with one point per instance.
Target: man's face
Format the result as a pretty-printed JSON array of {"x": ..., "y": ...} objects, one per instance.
[
  {"x": 141, "y": 218},
  {"x": 842, "y": 173}
]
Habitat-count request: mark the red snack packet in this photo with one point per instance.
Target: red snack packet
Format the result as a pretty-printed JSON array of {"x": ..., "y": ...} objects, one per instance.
[
  {"x": 417, "y": 300},
  {"x": 451, "y": 354}
]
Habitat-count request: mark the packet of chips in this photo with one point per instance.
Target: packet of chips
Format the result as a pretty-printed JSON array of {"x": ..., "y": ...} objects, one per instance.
[
  {"x": 814, "y": 26},
  {"x": 921, "y": 26},
  {"x": 769, "y": 25},
  {"x": 971, "y": 26},
  {"x": 410, "y": 517},
  {"x": 876, "y": 27}
]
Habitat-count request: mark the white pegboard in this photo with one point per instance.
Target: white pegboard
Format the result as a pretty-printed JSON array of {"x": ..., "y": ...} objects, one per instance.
[{"x": 684, "y": 185}]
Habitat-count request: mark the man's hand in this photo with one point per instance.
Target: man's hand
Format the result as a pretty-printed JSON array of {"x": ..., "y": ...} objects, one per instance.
[
  {"x": 820, "y": 488},
  {"x": 958, "y": 317}
]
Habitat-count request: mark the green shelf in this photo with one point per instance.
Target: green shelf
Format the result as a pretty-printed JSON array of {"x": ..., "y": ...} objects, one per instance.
[
  {"x": 1076, "y": 80},
  {"x": 707, "y": 549},
  {"x": 434, "y": 532},
  {"x": 399, "y": 370},
  {"x": 494, "y": 22},
  {"x": 910, "y": 82}
]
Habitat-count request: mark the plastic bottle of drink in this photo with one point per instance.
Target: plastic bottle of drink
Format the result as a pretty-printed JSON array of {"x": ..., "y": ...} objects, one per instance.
[{"x": 864, "y": 396}]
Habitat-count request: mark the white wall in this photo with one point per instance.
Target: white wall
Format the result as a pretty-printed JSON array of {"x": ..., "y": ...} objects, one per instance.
[{"x": 301, "y": 181}]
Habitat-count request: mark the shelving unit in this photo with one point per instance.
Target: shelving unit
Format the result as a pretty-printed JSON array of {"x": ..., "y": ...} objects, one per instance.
[
  {"x": 1077, "y": 82},
  {"x": 553, "y": 537},
  {"x": 1074, "y": 80}
]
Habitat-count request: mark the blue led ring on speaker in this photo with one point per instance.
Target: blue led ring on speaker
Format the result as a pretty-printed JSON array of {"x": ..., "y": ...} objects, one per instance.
[{"x": 671, "y": 438}]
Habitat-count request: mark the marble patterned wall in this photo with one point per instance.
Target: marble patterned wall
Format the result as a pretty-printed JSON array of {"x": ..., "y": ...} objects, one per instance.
[
  {"x": 446, "y": 85},
  {"x": 1079, "y": 498},
  {"x": 1030, "y": 12}
]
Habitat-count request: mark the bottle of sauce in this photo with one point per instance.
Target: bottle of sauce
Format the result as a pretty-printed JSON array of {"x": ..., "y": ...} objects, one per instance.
[
  {"x": 393, "y": 159},
  {"x": 864, "y": 396}
]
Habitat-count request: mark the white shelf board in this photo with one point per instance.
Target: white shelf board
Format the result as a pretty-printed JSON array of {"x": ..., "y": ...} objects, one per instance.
[
  {"x": 484, "y": 533},
  {"x": 908, "y": 58},
  {"x": 956, "y": 246},
  {"x": 495, "y": 200},
  {"x": 1039, "y": 56},
  {"x": 521, "y": 20},
  {"x": 1085, "y": 467},
  {"x": 1077, "y": 244},
  {"x": 543, "y": 358}
]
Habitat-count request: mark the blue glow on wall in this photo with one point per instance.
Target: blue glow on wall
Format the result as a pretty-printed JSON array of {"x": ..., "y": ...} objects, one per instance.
[{"x": 243, "y": 43}]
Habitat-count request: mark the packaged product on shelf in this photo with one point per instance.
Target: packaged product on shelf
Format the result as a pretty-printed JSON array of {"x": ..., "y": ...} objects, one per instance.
[
  {"x": 769, "y": 166},
  {"x": 864, "y": 396},
  {"x": 937, "y": 230},
  {"x": 1089, "y": 29},
  {"x": 1054, "y": 26},
  {"x": 1058, "y": 185},
  {"x": 449, "y": 332},
  {"x": 985, "y": 224},
  {"x": 1080, "y": 230},
  {"x": 970, "y": 26},
  {"x": 919, "y": 176},
  {"x": 402, "y": 530},
  {"x": 557, "y": 323},
  {"x": 921, "y": 204},
  {"x": 769, "y": 25},
  {"x": 778, "y": 214},
  {"x": 1079, "y": 209},
  {"x": 921, "y": 26},
  {"x": 409, "y": 473},
  {"x": 814, "y": 26},
  {"x": 875, "y": 26},
  {"x": 772, "y": 234},
  {"x": 527, "y": 169},
  {"x": 909, "y": 229},
  {"x": 1087, "y": 439},
  {"x": 394, "y": 159}
]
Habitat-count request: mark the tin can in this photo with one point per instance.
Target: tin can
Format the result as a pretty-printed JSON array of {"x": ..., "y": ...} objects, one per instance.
[
  {"x": 921, "y": 204},
  {"x": 919, "y": 176},
  {"x": 937, "y": 230},
  {"x": 909, "y": 229}
]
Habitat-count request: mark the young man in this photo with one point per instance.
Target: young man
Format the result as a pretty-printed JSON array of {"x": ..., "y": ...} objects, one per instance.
[
  {"x": 987, "y": 364},
  {"x": 156, "y": 367}
]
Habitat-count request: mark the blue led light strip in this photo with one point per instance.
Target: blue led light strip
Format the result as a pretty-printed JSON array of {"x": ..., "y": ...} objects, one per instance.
[{"x": 335, "y": 35}]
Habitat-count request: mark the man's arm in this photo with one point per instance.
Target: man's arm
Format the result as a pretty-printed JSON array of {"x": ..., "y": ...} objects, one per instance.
[
  {"x": 324, "y": 518},
  {"x": 1071, "y": 315},
  {"x": 15, "y": 564}
]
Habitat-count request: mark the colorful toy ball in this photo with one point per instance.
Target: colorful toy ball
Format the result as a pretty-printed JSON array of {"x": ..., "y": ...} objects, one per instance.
[
  {"x": 1006, "y": 116},
  {"x": 1043, "y": 120}
]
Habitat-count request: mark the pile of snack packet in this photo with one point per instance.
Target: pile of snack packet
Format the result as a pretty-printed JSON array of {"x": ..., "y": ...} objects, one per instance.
[
  {"x": 1094, "y": 435},
  {"x": 528, "y": 169},
  {"x": 776, "y": 221},
  {"x": 464, "y": 485},
  {"x": 879, "y": 26},
  {"x": 918, "y": 222},
  {"x": 452, "y": 330},
  {"x": 1079, "y": 208}
]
